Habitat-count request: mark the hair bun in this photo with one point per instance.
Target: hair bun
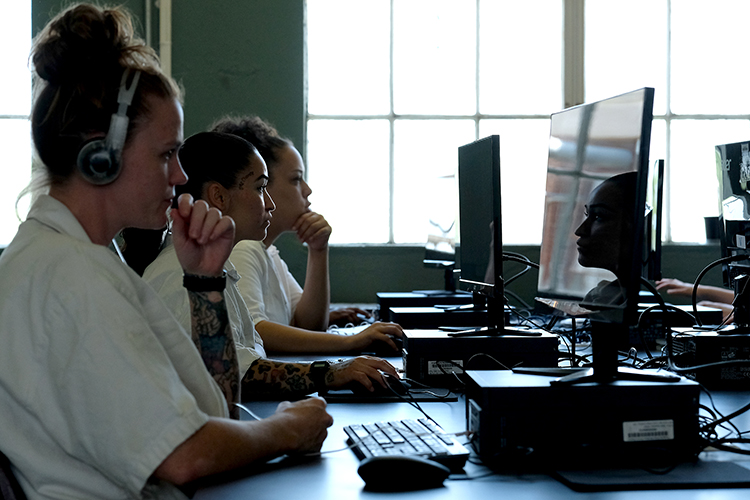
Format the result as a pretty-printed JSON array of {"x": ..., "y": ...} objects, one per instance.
[{"x": 85, "y": 40}]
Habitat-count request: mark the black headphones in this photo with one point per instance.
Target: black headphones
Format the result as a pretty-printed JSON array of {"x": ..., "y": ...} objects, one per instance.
[{"x": 99, "y": 160}]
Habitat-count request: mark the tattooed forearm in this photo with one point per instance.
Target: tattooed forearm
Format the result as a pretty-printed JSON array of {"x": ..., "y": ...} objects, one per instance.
[
  {"x": 275, "y": 377},
  {"x": 212, "y": 336}
]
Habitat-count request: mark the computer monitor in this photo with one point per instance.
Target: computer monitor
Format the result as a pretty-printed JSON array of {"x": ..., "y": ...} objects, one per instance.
[
  {"x": 594, "y": 225},
  {"x": 480, "y": 226},
  {"x": 733, "y": 170},
  {"x": 653, "y": 222}
]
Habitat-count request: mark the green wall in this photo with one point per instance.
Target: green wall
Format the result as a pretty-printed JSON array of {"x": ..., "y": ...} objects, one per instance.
[{"x": 247, "y": 56}]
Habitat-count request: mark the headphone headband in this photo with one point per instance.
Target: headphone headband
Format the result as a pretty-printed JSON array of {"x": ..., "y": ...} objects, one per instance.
[{"x": 99, "y": 160}]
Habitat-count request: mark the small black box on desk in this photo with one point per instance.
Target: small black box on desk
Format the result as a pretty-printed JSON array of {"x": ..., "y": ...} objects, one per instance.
[
  {"x": 522, "y": 421},
  {"x": 693, "y": 348},
  {"x": 435, "y": 358},
  {"x": 436, "y": 317},
  {"x": 386, "y": 300}
]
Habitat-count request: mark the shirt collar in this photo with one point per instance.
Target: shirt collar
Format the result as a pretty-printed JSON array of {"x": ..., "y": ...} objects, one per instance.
[{"x": 55, "y": 214}]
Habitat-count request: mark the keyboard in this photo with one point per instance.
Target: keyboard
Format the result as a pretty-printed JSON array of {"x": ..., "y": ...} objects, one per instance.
[{"x": 421, "y": 437}]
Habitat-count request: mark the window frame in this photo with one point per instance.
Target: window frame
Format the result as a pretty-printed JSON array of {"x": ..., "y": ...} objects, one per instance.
[{"x": 573, "y": 93}]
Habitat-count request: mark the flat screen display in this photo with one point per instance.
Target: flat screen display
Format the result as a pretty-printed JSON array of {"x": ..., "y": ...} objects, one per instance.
[
  {"x": 480, "y": 232},
  {"x": 592, "y": 239}
]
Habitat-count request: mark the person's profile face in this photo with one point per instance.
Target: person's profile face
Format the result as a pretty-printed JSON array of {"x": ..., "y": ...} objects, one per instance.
[
  {"x": 151, "y": 168},
  {"x": 600, "y": 236},
  {"x": 288, "y": 189},
  {"x": 249, "y": 203}
]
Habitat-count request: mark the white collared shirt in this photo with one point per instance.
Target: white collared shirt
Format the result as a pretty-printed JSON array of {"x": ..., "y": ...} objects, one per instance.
[{"x": 97, "y": 380}]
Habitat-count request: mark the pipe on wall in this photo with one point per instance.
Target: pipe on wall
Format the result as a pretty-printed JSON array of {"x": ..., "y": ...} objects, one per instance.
[{"x": 165, "y": 36}]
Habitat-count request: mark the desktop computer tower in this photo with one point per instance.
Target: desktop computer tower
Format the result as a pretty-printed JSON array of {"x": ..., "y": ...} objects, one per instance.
[
  {"x": 523, "y": 421},
  {"x": 693, "y": 348},
  {"x": 437, "y": 359}
]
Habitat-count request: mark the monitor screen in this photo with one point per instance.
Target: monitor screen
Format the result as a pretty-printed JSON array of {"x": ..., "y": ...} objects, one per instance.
[
  {"x": 653, "y": 223},
  {"x": 480, "y": 243},
  {"x": 733, "y": 170},
  {"x": 593, "y": 234}
]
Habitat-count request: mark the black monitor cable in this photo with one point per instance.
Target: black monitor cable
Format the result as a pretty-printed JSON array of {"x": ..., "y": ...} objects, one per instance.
[
  {"x": 522, "y": 259},
  {"x": 723, "y": 260}
]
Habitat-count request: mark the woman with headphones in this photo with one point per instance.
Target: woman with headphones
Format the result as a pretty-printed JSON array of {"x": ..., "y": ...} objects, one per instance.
[{"x": 98, "y": 386}]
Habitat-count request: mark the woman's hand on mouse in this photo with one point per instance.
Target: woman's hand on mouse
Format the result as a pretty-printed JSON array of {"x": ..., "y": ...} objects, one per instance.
[
  {"x": 377, "y": 332},
  {"x": 363, "y": 370},
  {"x": 203, "y": 237}
]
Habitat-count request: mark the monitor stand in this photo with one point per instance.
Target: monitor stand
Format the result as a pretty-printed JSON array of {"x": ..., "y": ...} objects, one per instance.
[
  {"x": 605, "y": 365},
  {"x": 496, "y": 318}
]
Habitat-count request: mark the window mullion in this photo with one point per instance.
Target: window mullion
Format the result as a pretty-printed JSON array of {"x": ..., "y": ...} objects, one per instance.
[
  {"x": 391, "y": 145},
  {"x": 573, "y": 52}
]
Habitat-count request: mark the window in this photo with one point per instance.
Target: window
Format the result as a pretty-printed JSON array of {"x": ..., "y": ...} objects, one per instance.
[
  {"x": 395, "y": 86},
  {"x": 15, "y": 105}
]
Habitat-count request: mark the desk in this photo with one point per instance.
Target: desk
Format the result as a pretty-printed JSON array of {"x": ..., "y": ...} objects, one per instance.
[{"x": 334, "y": 476}]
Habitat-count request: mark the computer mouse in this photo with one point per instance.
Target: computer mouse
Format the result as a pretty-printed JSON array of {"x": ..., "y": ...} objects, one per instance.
[
  {"x": 395, "y": 384},
  {"x": 401, "y": 473},
  {"x": 380, "y": 348}
]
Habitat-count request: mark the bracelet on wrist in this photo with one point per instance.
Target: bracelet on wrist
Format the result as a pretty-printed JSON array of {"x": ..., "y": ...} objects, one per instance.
[
  {"x": 196, "y": 283},
  {"x": 318, "y": 372}
]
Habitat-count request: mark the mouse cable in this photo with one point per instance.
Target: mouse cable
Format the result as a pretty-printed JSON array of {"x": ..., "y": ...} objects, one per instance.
[
  {"x": 247, "y": 410},
  {"x": 426, "y": 389}
]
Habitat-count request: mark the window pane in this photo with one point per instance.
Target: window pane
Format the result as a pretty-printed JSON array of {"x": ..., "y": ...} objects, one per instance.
[
  {"x": 626, "y": 48},
  {"x": 15, "y": 40},
  {"x": 425, "y": 165},
  {"x": 523, "y": 172},
  {"x": 434, "y": 57},
  {"x": 15, "y": 156},
  {"x": 709, "y": 73},
  {"x": 509, "y": 47},
  {"x": 348, "y": 172},
  {"x": 348, "y": 57},
  {"x": 693, "y": 183}
]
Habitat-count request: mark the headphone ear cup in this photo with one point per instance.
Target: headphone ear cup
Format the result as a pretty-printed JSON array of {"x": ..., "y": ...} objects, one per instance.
[{"x": 97, "y": 163}]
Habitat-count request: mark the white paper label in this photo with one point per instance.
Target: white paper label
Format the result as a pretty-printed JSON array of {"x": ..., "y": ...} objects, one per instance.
[
  {"x": 648, "y": 430},
  {"x": 445, "y": 367}
]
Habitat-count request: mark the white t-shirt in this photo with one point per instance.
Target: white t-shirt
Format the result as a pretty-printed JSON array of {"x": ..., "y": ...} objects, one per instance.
[
  {"x": 97, "y": 379},
  {"x": 164, "y": 274},
  {"x": 269, "y": 289}
]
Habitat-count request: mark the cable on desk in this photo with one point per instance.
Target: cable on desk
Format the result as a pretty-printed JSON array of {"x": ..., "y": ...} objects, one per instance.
[
  {"x": 247, "y": 410},
  {"x": 426, "y": 389},
  {"x": 468, "y": 361}
]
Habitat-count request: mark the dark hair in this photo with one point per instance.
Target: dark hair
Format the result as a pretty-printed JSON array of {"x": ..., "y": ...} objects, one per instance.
[
  {"x": 259, "y": 133},
  {"x": 78, "y": 60},
  {"x": 213, "y": 157}
]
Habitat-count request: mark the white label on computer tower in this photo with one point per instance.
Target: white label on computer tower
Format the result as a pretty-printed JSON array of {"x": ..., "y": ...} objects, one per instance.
[
  {"x": 445, "y": 367},
  {"x": 740, "y": 241},
  {"x": 648, "y": 430}
]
